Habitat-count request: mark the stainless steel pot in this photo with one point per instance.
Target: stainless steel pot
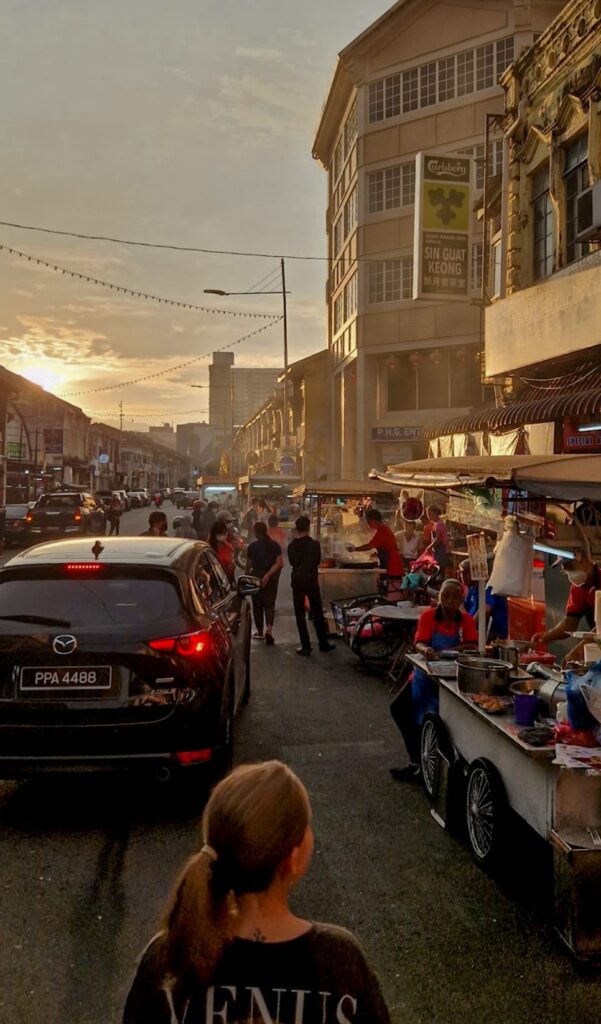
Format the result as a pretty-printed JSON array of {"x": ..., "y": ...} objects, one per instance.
[
  {"x": 482, "y": 675},
  {"x": 552, "y": 692},
  {"x": 510, "y": 650}
]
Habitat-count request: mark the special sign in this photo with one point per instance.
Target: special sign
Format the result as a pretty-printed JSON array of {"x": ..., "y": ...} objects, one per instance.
[{"x": 442, "y": 264}]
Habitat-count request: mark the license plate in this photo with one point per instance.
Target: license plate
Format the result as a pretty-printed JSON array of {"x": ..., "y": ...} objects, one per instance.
[{"x": 65, "y": 678}]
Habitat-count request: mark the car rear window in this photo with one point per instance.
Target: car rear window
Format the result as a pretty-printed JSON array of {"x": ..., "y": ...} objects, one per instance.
[
  {"x": 59, "y": 500},
  {"x": 91, "y": 602},
  {"x": 16, "y": 510}
]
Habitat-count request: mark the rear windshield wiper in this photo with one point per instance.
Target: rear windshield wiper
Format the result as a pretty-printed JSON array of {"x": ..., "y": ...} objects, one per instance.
[{"x": 40, "y": 620}]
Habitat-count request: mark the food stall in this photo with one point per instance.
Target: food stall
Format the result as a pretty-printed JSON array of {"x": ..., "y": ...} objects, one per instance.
[
  {"x": 477, "y": 762},
  {"x": 275, "y": 488},
  {"x": 332, "y": 507},
  {"x": 223, "y": 489}
]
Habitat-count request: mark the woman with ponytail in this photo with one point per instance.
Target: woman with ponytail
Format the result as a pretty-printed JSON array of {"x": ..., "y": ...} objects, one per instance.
[{"x": 230, "y": 949}]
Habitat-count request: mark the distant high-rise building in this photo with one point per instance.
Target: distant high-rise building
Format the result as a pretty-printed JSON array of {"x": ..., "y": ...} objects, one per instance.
[
  {"x": 164, "y": 435},
  {"x": 235, "y": 393},
  {"x": 196, "y": 441}
]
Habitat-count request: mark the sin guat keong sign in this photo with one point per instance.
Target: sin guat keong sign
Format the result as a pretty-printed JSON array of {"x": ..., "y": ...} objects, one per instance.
[{"x": 443, "y": 218}]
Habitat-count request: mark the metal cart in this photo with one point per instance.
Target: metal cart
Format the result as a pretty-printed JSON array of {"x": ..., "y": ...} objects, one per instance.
[{"x": 480, "y": 757}]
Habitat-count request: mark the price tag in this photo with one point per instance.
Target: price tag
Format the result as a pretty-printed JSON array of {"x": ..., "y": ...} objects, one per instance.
[{"x": 476, "y": 549}]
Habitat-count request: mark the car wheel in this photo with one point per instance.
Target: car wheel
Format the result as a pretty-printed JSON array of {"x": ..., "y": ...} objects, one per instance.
[{"x": 485, "y": 812}]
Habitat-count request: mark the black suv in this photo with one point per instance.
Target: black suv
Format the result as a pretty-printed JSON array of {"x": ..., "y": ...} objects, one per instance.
[{"x": 124, "y": 652}]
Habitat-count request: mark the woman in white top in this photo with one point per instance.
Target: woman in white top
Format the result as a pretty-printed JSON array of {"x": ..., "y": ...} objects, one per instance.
[{"x": 410, "y": 542}]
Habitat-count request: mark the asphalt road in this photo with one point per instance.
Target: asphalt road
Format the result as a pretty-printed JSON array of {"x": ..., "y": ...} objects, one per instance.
[{"x": 85, "y": 866}]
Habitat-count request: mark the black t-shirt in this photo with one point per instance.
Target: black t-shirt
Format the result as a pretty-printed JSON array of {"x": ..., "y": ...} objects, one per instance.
[
  {"x": 321, "y": 977},
  {"x": 262, "y": 555},
  {"x": 304, "y": 555}
]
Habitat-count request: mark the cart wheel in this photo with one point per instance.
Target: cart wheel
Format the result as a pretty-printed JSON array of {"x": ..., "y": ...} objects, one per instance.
[
  {"x": 485, "y": 812},
  {"x": 434, "y": 741}
]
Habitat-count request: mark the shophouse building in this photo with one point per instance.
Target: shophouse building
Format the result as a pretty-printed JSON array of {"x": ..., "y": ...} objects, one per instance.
[
  {"x": 543, "y": 312},
  {"x": 421, "y": 78}
]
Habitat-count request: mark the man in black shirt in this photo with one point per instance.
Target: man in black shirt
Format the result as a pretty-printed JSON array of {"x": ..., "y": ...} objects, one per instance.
[
  {"x": 304, "y": 555},
  {"x": 264, "y": 559}
]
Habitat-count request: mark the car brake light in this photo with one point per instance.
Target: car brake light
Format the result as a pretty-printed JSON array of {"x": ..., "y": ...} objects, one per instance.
[
  {"x": 188, "y": 645},
  {"x": 29, "y": 518},
  {"x": 83, "y": 566},
  {"x": 76, "y": 517},
  {"x": 193, "y": 756}
]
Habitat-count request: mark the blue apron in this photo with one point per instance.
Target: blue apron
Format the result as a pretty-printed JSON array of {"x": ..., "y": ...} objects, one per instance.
[{"x": 424, "y": 691}]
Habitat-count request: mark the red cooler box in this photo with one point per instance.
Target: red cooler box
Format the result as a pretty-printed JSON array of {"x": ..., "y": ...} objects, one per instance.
[{"x": 526, "y": 617}]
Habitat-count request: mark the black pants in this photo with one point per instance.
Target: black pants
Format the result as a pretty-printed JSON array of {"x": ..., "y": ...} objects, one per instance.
[
  {"x": 402, "y": 712},
  {"x": 115, "y": 522},
  {"x": 314, "y": 597},
  {"x": 264, "y": 603}
]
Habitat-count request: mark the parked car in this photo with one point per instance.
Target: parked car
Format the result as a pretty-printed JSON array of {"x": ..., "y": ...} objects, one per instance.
[
  {"x": 122, "y": 495},
  {"x": 186, "y": 499},
  {"x": 138, "y": 499},
  {"x": 137, "y": 655},
  {"x": 64, "y": 512},
  {"x": 16, "y": 526},
  {"x": 174, "y": 493},
  {"x": 104, "y": 497}
]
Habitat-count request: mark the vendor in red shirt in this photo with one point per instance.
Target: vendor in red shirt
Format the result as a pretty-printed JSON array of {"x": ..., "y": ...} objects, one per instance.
[
  {"x": 585, "y": 578},
  {"x": 445, "y": 627},
  {"x": 384, "y": 541},
  {"x": 222, "y": 547}
]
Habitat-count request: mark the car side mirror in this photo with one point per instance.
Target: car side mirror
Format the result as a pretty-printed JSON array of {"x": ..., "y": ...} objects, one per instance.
[{"x": 248, "y": 585}]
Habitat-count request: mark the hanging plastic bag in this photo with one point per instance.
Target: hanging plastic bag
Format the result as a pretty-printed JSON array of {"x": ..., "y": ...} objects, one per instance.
[
  {"x": 590, "y": 688},
  {"x": 512, "y": 569},
  {"x": 579, "y": 714}
]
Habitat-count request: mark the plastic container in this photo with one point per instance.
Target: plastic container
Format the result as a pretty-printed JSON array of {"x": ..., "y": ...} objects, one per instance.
[
  {"x": 526, "y": 617},
  {"x": 525, "y": 708}
]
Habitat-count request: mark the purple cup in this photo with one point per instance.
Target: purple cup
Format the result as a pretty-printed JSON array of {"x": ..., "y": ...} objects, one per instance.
[{"x": 525, "y": 708}]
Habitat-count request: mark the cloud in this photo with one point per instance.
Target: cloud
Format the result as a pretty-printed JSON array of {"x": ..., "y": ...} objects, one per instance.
[{"x": 258, "y": 53}]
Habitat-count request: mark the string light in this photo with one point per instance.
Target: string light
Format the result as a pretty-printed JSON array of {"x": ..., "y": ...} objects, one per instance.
[
  {"x": 171, "y": 369},
  {"x": 147, "y": 296}
]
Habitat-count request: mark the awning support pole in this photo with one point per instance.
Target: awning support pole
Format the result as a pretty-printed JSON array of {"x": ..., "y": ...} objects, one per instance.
[{"x": 481, "y": 615}]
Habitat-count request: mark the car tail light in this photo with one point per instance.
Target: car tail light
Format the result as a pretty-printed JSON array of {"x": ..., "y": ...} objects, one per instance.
[
  {"x": 83, "y": 566},
  {"x": 193, "y": 756},
  {"x": 188, "y": 645},
  {"x": 76, "y": 517},
  {"x": 29, "y": 518}
]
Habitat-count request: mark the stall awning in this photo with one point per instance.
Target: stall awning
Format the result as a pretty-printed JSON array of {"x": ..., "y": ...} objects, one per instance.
[
  {"x": 573, "y": 395},
  {"x": 343, "y": 488},
  {"x": 567, "y": 477}
]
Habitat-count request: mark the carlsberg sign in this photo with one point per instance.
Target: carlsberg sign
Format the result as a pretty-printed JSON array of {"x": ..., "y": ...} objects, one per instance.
[{"x": 443, "y": 216}]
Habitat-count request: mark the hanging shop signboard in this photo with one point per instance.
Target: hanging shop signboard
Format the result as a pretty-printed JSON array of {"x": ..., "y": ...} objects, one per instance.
[
  {"x": 580, "y": 444},
  {"x": 443, "y": 216},
  {"x": 53, "y": 441}
]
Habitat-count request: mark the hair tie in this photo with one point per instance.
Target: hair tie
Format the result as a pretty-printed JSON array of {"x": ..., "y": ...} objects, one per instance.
[{"x": 210, "y": 852}]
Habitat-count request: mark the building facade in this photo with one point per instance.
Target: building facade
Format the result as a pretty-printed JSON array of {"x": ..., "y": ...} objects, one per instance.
[
  {"x": 421, "y": 78},
  {"x": 259, "y": 444},
  {"x": 543, "y": 321}
]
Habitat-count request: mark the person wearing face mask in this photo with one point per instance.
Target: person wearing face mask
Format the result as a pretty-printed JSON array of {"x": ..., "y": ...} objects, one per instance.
[
  {"x": 222, "y": 547},
  {"x": 585, "y": 579}
]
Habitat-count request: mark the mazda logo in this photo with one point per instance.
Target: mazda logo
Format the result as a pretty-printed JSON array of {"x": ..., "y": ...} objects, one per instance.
[{"x": 64, "y": 644}]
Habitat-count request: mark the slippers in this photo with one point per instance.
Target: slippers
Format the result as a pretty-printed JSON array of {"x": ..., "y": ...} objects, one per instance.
[{"x": 258, "y": 636}]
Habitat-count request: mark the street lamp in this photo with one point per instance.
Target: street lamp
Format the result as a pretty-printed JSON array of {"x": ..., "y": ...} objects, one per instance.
[{"x": 281, "y": 291}]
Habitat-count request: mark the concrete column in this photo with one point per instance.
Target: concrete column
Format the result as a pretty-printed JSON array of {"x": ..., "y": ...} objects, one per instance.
[{"x": 349, "y": 423}]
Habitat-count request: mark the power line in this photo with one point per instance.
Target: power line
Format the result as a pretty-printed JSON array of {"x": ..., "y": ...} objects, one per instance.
[
  {"x": 130, "y": 291},
  {"x": 157, "y": 245},
  {"x": 171, "y": 369}
]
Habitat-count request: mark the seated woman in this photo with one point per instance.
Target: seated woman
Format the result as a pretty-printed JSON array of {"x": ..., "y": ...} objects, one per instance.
[{"x": 445, "y": 627}]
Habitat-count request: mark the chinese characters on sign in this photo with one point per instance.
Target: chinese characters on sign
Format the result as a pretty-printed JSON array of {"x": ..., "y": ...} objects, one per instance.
[
  {"x": 476, "y": 549},
  {"x": 441, "y": 258}
]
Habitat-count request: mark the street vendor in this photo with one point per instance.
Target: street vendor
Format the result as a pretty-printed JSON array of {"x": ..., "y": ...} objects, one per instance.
[
  {"x": 585, "y": 579},
  {"x": 384, "y": 541},
  {"x": 445, "y": 627}
]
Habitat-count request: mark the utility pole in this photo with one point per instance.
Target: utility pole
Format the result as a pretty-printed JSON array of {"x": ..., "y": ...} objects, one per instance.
[
  {"x": 285, "y": 312},
  {"x": 120, "y": 415}
]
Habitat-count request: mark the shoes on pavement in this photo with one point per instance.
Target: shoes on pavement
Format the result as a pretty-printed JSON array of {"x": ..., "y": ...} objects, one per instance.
[
  {"x": 269, "y": 639},
  {"x": 304, "y": 651},
  {"x": 258, "y": 636},
  {"x": 410, "y": 773},
  {"x": 327, "y": 647}
]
